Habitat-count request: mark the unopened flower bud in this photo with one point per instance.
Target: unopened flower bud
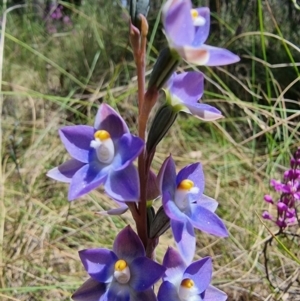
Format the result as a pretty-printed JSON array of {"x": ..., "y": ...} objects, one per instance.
[
  {"x": 297, "y": 154},
  {"x": 160, "y": 224},
  {"x": 150, "y": 215},
  {"x": 153, "y": 190},
  {"x": 293, "y": 162},
  {"x": 267, "y": 215},
  {"x": 268, "y": 199},
  {"x": 161, "y": 123},
  {"x": 286, "y": 174},
  {"x": 296, "y": 174},
  {"x": 164, "y": 67},
  {"x": 281, "y": 207},
  {"x": 137, "y": 8}
]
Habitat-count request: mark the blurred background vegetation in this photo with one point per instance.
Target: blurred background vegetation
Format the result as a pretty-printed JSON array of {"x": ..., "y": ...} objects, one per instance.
[{"x": 58, "y": 67}]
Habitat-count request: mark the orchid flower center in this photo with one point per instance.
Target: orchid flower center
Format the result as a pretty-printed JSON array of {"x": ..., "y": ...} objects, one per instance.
[
  {"x": 187, "y": 283},
  {"x": 182, "y": 192},
  {"x": 187, "y": 289},
  {"x": 197, "y": 19},
  {"x": 122, "y": 272},
  {"x": 103, "y": 146}
]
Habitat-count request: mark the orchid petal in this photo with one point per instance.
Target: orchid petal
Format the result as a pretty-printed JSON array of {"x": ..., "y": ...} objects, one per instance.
[
  {"x": 117, "y": 211},
  {"x": 129, "y": 147},
  {"x": 128, "y": 245},
  {"x": 175, "y": 265},
  {"x": 213, "y": 294},
  {"x": 173, "y": 260},
  {"x": 167, "y": 176},
  {"x": 140, "y": 280},
  {"x": 203, "y": 111},
  {"x": 178, "y": 23},
  {"x": 185, "y": 239},
  {"x": 188, "y": 87},
  {"x": 168, "y": 5},
  {"x": 198, "y": 56},
  {"x": 86, "y": 179},
  {"x": 208, "y": 203},
  {"x": 118, "y": 292},
  {"x": 91, "y": 290},
  {"x": 171, "y": 209},
  {"x": 207, "y": 221},
  {"x": 65, "y": 171},
  {"x": 201, "y": 32},
  {"x": 219, "y": 56},
  {"x": 123, "y": 185},
  {"x": 153, "y": 190},
  {"x": 167, "y": 292},
  {"x": 108, "y": 119},
  {"x": 200, "y": 272},
  {"x": 99, "y": 263},
  {"x": 77, "y": 140}
]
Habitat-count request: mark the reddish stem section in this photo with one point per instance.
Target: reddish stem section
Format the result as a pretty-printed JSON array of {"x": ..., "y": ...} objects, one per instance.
[
  {"x": 145, "y": 102},
  {"x": 138, "y": 39}
]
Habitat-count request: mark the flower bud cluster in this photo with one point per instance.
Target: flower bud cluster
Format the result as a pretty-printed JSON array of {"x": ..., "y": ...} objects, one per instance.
[
  {"x": 289, "y": 189},
  {"x": 57, "y": 19}
]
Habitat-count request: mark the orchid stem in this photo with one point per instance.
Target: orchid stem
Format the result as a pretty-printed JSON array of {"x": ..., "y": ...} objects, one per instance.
[
  {"x": 140, "y": 56},
  {"x": 145, "y": 103}
]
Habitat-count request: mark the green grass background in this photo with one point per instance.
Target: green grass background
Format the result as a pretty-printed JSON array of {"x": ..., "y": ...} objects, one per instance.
[{"x": 51, "y": 80}]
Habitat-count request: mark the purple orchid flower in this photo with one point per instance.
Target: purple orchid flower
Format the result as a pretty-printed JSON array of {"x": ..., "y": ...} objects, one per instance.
[
  {"x": 187, "y": 29},
  {"x": 121, "y": 274},
  {"x": 102, "y": 154},
  {"x": 187, "y": 207},
  {"x": 183, "y": 92},
  {"x": 181, "y": 283}
]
